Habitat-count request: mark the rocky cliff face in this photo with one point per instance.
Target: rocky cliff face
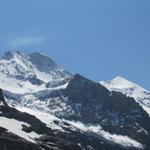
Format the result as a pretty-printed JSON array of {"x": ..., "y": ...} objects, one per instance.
[
  {"x": 115, "y": 112},
  {"x": 2, "y": 100}
]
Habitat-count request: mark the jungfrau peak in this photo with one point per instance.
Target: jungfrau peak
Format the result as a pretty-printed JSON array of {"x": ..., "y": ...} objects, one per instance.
[{"x": 34, "y": 71}]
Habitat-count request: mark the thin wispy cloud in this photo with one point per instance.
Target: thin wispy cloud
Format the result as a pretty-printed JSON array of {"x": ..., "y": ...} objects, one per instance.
[{"x": 25, "y": 41}]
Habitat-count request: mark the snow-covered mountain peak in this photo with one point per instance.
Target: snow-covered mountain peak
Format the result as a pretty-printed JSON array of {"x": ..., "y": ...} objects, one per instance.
[
  {"x": 22, "y": 73},
  {"x": 47, "y": 65},
  {"x": 40, "y": 59},
  {"x": 120, "y": 84},
  {"x": 15, "y": 65},
  {"x": 119, "y": 79},
  {"x": 42, "y": 62},
  {"x": 12, "y": 54}
]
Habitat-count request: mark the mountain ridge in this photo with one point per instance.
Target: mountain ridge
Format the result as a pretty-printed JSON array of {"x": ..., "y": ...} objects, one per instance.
[{"x": 74, "y": 103}]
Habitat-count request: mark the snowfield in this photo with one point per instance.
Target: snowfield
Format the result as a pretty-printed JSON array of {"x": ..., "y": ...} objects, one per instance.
[
  {"x": 46, "y": 118},
  {"x": 15, "y": 127}
]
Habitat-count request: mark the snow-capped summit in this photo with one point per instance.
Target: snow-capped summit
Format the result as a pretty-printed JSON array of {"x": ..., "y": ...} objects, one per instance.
[
  {"x": 15, "y": 64},
  {"x": 120, "y": 84},
  {"x": 45, "y": 64},
  {"x": 125, "y": 85},
  {"x": 11, "y": 54},
  {"x": 29, "y": 73},
  {"x": 40, "y": 60}
]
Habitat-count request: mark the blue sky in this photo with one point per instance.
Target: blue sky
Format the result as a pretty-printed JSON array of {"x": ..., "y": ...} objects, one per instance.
[{"x": 96, "y": 38}]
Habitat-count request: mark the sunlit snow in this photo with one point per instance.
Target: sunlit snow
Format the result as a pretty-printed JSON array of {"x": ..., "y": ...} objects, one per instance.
[{"x": 15, "y": 127}]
